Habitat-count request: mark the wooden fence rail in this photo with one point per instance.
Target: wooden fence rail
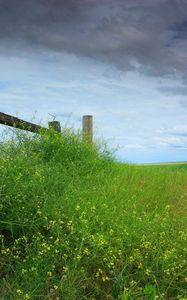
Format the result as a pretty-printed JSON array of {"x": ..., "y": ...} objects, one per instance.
[{"x": 15, "y": 122}]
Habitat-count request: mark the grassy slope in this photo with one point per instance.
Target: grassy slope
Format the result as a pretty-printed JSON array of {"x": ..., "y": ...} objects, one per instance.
[{"x": 76, "y": 225}]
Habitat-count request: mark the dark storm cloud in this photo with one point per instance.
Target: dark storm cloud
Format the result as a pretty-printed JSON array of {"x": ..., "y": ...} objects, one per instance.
[{"x": 134, "y": 34}]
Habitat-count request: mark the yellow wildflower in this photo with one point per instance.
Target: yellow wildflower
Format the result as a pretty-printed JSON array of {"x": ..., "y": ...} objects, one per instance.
[{"x": 55, "y": 287}]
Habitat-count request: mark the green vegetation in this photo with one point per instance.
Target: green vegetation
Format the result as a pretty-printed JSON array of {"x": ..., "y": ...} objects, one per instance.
[
  {"x": 175, "y": 166},
  {"x": 76, "y": 225}
]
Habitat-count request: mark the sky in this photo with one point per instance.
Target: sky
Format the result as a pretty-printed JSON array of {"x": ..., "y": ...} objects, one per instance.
[{"x": 122, "y": 61}]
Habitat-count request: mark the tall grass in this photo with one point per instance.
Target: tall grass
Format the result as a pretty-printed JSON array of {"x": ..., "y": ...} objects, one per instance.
[{"x": 77, "y": 225}]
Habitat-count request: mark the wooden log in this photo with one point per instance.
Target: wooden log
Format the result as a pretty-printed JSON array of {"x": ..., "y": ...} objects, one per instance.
[
  {"x": 88, "y": 128},
  {"x": 21, "y": 124}
]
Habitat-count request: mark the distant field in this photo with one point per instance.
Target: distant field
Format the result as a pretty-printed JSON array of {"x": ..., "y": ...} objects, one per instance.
[
  {"x": 181, "y": 166},
  {"x": 166, "y": 163}
]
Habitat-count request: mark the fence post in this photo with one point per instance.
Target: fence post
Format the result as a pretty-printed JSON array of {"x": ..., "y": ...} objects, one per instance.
[
  {"x": 55, "y": 125},
  {"x": 87, "y": 128}
]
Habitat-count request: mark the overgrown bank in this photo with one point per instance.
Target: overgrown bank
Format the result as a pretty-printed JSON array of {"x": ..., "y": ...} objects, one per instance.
[{"x": 76, "y": 225}]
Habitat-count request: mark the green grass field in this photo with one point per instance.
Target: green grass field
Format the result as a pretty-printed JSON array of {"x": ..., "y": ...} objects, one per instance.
[
  {"x": 175, "y": 166},
  {"x": 77, "y": 225}
]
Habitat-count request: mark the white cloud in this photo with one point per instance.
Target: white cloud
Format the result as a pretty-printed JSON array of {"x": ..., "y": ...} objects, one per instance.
[
  {"x": 127, "y": 108},
  {"x": 179, "y": 130},
  {"x": 173, "y": 138},
  {"x": 135, "y": 147}
]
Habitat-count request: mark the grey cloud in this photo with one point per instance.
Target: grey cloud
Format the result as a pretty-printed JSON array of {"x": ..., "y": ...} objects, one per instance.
[
  {"x": 174, "y": 90},
  {"x": 137, "y": 34},
  {"x": 183, "y": 103},
  {"x": 180, "y": 147}
]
